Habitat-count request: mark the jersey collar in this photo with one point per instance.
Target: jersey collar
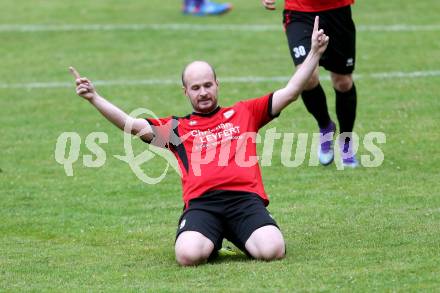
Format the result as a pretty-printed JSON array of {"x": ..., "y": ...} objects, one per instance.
[{"x": 213, "y": 112}]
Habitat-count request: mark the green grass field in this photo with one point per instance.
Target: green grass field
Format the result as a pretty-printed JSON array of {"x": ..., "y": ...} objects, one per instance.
[{"x": 369, "y": 229}]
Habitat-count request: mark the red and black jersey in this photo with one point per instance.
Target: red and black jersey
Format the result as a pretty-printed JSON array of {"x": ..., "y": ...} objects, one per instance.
[
  {"x": 315, "y": 6},
  {"x": 217, "y": 151}
]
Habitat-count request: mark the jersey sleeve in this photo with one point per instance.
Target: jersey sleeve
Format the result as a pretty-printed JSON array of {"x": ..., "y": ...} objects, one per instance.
[
  {"x": 162, "y": 129},
  {"x": 260, "y": 109}
]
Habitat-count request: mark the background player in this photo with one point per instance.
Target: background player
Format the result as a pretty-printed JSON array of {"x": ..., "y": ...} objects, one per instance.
[
  {"x": 205, "y": 7},
  {"x": 339, "y": 59}
]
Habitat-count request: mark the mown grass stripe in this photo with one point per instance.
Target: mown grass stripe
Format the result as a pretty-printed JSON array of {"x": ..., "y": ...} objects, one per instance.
[
  {"x": 238, "y": 79},
  {"x": 26, "y": 28}
]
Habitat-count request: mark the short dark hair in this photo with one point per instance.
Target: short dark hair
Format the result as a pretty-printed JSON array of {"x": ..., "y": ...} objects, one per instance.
[{"x": 184, "y": 71}]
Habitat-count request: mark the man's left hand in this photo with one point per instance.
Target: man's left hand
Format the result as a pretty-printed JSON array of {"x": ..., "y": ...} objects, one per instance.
[{"x": 319, "y": 38}]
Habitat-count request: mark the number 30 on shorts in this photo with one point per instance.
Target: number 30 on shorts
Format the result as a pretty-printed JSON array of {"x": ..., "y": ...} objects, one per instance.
[{"x": 299, "y": 51}]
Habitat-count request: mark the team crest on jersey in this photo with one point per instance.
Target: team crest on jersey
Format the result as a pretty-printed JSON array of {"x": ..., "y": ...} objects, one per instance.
[
  {"x": 228, "y": 114},
  {"x": 192, "y": 122}
]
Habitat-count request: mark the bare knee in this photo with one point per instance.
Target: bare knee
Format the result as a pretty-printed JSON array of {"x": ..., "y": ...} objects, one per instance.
[
  {"x": 266, "y": 243},
  {"x": 272, "y": 250},
  {"x": 342, "y": 82},
  {"x": 192, "y": 248},
  {"x": 190, "y": 257}
]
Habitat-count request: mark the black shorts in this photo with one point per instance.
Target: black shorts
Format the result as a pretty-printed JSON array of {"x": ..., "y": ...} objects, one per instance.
[
  {"x": 220, "y": 214},
  {"x": 337, "y": 23}
]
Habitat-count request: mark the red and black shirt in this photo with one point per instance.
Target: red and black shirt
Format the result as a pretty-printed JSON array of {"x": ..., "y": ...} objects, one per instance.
[
  {"x": 217, "y": 151},
  {"x": 315, "y": 6}
]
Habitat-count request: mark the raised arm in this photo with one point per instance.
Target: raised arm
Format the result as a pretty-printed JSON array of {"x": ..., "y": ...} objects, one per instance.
[
  {"x": 85, "y": 89},
  {"x": 288, "y": 94}
]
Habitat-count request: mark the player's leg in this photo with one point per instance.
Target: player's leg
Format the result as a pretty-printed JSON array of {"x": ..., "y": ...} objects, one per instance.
[
  {"x": 346, "y": 102},
  {"x": 315, "y": 100},
  {"x": 199, "y": 236},
  {"x": 251, "y": 228},
  {"x": 342, "y": 83},
  {"x": 193, "y": 248},
  {"x": 266, "y": 243},
  {"x": 341, "y": 64},
  {"x": 299, "y": 26}
]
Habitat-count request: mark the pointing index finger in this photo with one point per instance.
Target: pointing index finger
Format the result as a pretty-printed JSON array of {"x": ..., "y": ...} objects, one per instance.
[
  {"x": 74, "y": 72},
  {"x": 316, "y": 25}
]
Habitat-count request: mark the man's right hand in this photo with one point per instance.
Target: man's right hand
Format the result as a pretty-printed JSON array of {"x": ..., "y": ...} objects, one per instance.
[
  {"x": 84, "y": 88},
  {"x": 269, "y": 4}
]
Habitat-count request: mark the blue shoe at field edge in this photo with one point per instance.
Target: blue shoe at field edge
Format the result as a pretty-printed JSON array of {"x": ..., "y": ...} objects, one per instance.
[
  {"x": 207, "y": 8},
  {"x": 325, "y": 149}
]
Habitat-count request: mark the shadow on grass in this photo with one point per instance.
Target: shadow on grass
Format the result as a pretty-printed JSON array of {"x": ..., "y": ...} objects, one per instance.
[
  {"x": 229, "y": 253},
  {"x": 239, "y": 257}
]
